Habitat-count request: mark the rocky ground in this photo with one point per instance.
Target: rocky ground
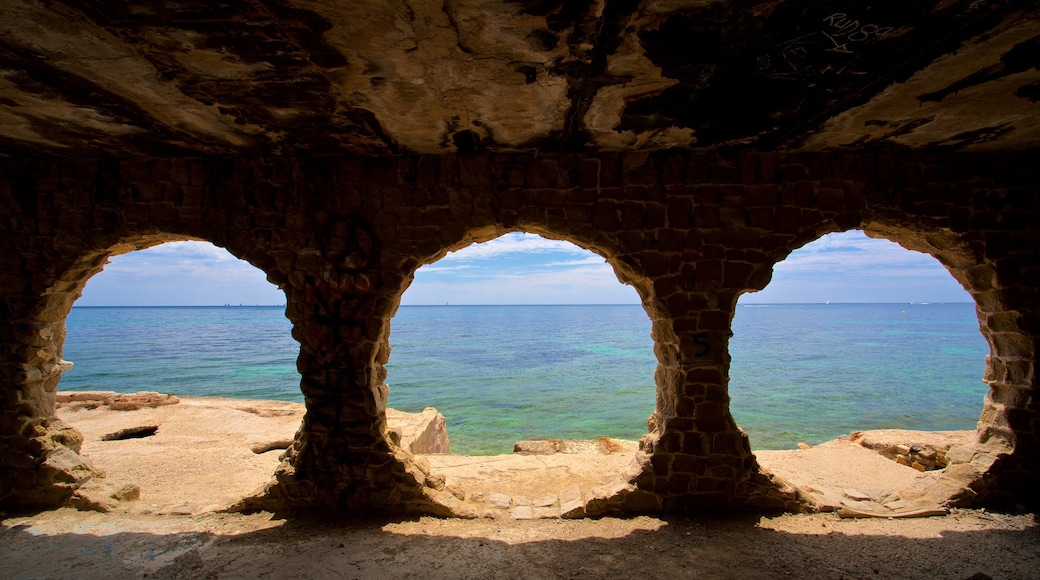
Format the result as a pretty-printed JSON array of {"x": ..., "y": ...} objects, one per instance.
[{"x": 200, "y": 459}]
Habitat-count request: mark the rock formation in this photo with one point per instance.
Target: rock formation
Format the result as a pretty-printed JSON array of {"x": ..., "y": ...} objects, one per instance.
[{"x": 421, "y": 433}]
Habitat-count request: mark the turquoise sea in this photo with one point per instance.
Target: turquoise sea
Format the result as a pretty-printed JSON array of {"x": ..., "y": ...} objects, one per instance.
[{"x": 800, "y": 372}]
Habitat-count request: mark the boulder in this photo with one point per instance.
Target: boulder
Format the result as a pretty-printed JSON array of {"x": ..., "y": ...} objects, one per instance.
[
  {"x": 102, "y": 496},
  {"x": 419, "y": 433},
  {"x": 64, "y": 466},
  {"x": 63, "y": 434}
]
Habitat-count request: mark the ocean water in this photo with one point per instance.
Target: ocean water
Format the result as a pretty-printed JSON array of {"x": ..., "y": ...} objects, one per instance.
[
  {"x": 503, "y": 373},
  {"x": 808, "y": 373}
]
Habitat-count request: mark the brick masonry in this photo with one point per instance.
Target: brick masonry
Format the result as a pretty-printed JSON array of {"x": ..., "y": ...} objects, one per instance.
[{"x": 342, "y": 237}]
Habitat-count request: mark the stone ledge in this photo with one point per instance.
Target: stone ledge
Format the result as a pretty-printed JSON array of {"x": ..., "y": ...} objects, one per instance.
[
  {"x": 113, "y": 400},
  {"x": 600, "y": 445}
]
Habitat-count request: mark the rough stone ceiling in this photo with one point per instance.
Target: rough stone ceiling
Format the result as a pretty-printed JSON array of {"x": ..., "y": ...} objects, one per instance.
[{"x": 83, "y": 78}]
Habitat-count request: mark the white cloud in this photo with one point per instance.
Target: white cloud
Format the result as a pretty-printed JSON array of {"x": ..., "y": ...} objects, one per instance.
[
  {"x": 190, "y": 249},
  {"x": 437, "y": 269},
  {"x": 189, "y": 264},
  {"x": 582, "y": 284},
  {"x": 590, "y": 261},
  {"x": 851, "y": 251},
  {"x": 527, "y": 269},
  {"x": 181, "y": 274},
  {"x": 519, "y": 269},
  {"x": 850, "y": 267},
  {"x": 513, "y": 243}
]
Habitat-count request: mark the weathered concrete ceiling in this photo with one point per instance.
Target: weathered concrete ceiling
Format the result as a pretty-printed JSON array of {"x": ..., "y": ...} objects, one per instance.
[{"x": 189, "y": 77}]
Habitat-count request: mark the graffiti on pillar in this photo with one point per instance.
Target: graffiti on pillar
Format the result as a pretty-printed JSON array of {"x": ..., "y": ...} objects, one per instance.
[{"x": 351, "y": 251}]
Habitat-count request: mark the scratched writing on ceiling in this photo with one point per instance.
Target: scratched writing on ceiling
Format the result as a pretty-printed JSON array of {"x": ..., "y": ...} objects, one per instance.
[{"x": 838, "y": 38}]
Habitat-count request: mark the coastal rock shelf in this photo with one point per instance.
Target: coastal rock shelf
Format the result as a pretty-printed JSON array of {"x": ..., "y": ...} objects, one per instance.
[
  {"x": 198, "y": 462},
  {"x": 855, "y": 476},
  {"x": 580, "y": 480},
  {"x": 113, "y": 400}
]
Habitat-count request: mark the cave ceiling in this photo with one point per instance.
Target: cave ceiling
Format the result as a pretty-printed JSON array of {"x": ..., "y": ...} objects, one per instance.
[{"x": 83, "y": 78}]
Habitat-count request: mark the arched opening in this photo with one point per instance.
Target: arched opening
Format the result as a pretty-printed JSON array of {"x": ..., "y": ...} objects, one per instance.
[
  {"x": 183, "y": 380},
  {"x": 528, "y": 344},
  {"x": 857, "y": 344}
]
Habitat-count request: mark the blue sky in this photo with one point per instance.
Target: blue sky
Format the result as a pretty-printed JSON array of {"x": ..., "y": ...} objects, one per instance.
[
  {"x": 527, "y": 269},
  {"x": 179, "y": 274}
]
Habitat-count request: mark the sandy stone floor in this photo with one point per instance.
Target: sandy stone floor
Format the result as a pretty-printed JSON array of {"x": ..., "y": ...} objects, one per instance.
[{"x": 200, "y": 461}]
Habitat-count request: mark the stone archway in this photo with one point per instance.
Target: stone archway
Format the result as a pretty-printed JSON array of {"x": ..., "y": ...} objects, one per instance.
[
  {"x": 869, "y": 360},
  {"x": 50, "y": 467},
  {"x": 977, "y": 467},
  {"x": 692, "y": 231},
  {"x": 489, "y": 394},
  {"x": 586, "y": 502},
  {"x": 976, "y": 472},
  {"x": 167, "y": 372},
  {"x": 52, "y": 450}
]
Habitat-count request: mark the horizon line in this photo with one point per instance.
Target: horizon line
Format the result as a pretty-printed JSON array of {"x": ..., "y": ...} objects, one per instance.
[{"x": 829, "y": 303}]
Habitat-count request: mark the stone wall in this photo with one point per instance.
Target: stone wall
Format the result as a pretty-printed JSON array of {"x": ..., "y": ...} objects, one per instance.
[{"x": 690, "y": 231}]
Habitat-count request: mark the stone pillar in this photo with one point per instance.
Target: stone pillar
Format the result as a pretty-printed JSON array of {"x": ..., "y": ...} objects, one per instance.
[
  {"x": 342, "y": 455},
  {"x": 39, "y": 461}
]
